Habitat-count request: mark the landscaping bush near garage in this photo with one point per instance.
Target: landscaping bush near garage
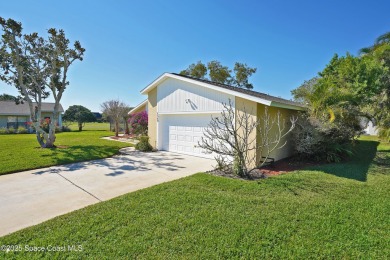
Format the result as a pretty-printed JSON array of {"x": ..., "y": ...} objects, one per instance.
[
  {"x": 143, "y": 145},
  {"x": 317, "y": 140}
]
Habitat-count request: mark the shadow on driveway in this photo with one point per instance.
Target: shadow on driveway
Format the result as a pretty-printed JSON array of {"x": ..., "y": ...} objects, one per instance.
[{"x": 125, "y": 163}]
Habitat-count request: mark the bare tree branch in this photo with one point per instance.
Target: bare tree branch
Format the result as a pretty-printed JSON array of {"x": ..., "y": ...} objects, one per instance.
[{"x": 243, "y": 138}]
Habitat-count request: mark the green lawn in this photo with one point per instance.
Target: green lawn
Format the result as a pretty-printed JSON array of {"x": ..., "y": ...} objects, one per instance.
[
  {"x": 91, "y": 126},
  {"x": 21, "y": 151},
  {"x": 335, "y": 211}
]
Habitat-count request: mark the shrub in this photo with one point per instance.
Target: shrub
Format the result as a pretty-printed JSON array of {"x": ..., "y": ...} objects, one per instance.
[
  {"x": 319, "y": 141},
  {"x": 3, "y": 131},
  {"x": 22, "y": 130},
  {"x": 384, "y": 134},
  {"x": 139, "y": 123},
  {"x": 143, "y": 145},
  {"x": 11, "y": 130}
]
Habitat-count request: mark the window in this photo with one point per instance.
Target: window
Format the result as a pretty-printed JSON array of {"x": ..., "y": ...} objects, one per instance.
[{"x": 12, "y": 119}]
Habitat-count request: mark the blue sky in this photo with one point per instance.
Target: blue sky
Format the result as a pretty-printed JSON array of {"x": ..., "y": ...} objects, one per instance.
[{"x": 130, "y": 43}]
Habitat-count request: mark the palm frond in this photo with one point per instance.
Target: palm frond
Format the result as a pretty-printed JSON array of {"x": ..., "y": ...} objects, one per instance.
[{"x": 384, "y": 38}]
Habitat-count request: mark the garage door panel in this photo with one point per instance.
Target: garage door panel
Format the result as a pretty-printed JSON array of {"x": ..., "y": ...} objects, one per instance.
[{"x": 183, "y": 133}]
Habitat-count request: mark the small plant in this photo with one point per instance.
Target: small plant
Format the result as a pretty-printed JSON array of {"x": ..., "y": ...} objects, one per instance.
[
  {"x": 237, "y": 167},
  {"x": 384, "y": 134},
  {"x": 143, "y": 145},
  {"x": 22, "y": 130},
  {"x": 3, "y": 131},
  {"x": 11, "y": 130}
]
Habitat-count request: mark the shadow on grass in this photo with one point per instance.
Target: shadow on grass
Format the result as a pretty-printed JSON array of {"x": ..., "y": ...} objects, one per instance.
[
  {"x": 357, "y": 167},
  {"x": 91, "y": 130},
  {"x": 78, "y": 153}
]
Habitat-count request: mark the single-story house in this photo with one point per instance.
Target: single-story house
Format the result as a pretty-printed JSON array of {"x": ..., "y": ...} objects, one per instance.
[
  {"x": 180, "y": 108},
  {"x": 15, "y": 115}
]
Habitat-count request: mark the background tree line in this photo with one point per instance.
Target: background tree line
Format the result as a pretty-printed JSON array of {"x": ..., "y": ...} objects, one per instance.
[{"x": 216, "y": 72}]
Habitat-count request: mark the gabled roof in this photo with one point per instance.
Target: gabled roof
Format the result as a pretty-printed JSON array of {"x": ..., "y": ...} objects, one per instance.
[
  {"x": 12, "y": 109},
  {"x": 235, "y": 91},
  {"x": 143, "y": 103}
]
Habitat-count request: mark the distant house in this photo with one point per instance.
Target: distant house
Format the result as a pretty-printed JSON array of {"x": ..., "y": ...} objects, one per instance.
[
  {"x": 13, "y": 115},
  {"x": 371, "y": 129},
  {"x": 98, "y": 116}
]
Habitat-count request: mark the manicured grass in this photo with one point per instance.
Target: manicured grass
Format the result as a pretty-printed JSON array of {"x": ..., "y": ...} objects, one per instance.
[
  {"x": 21, "y": 151},
  {"x": 91, "y": 126},
  {"x": 332, "y": 211}
]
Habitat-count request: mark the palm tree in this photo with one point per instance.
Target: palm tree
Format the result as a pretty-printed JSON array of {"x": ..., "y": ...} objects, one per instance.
[{"x": 382, "y": 40}]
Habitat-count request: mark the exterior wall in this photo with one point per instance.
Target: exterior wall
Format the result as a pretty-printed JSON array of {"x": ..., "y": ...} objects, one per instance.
[
  {"x": 175, "y": 96},
  {"x": 371, "y": 129},
  {"x": 22, "y": 119},
  {"x": 49, "y": 114},
  {"x": 250, "y": 107},
  {"x": 18, "y": 120},
  {"x": 152, "y": 117},
  {"x": 3, "y": 121},
  {"x": 285, "y": 114}
]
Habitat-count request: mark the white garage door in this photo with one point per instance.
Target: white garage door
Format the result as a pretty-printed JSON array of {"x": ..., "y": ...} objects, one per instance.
[{"x": 181, "y": 133}]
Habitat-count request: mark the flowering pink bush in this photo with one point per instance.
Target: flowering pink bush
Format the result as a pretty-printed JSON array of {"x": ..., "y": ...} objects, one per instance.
[{"x": 139, "y": 123}]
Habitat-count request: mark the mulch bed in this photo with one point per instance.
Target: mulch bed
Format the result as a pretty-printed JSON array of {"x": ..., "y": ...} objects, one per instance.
[
  {"x": 122, "y": 137},
  {"x": 286, "y": 165},
  {"x": 280, "y": 167}
]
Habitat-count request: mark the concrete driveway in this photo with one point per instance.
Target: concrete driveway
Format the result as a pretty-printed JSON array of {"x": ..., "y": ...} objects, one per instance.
[{"x": 31, "y": 197}]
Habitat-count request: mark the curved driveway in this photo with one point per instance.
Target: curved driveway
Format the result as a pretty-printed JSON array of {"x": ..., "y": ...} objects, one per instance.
[{"x": 31, "y": 197}]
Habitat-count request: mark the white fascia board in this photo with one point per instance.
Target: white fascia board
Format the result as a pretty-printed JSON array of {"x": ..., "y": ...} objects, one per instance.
[
  {"x": 155, "y": 83},
  {"x": 189, "y": 112},
  {"x": 138, "y": 106},
  {"x": 206, "y": 85},
  {"x": 287, "y": 106}
]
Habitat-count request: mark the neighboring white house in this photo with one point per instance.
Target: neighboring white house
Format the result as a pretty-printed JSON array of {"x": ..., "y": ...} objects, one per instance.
[
  {"x": 371, "y": 129},
  {"x": 180, "y": 108},
  {"x": 15, "y": 115}
]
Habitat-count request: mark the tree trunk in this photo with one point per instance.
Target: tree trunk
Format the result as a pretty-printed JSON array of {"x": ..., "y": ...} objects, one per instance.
[
  {"x": 39, "y": 138},
  {"x": 127, "y": 130},
  {"x": 117, "y": 128},
  {"x": 52, "y": 136},
  {"x": 80, "y": 126}
]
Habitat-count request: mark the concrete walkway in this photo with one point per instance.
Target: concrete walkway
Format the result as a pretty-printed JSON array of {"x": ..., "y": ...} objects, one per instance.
[{"x": 31, "y": 197}]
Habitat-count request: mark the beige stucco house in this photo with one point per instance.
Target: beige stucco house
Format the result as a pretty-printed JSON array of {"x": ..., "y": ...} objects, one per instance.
[{"x": 180, "y": 108}]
